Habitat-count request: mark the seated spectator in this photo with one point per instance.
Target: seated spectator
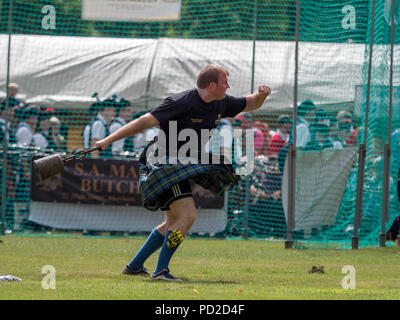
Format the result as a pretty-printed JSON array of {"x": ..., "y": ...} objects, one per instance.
[
  {"x": 262, "y": 137},
  {"x": 320, "y": 138},
  {"x": 281, "y": 137},
  {"x": 258, "y": 142},
  {"x": 265, "y": 208},
  {"x": 345, "y": 125},
  {"x": 334, "y": 134},
  {"x": 345, "y": 133},
  {"x": 321, "y": 116}
]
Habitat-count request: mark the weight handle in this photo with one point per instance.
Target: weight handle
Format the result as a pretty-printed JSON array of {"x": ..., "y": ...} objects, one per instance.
[{"x": 80, "y": 154}]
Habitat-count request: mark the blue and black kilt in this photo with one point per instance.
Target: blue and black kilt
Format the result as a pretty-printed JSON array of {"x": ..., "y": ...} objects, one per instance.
[{"x": 156, "y": 179}]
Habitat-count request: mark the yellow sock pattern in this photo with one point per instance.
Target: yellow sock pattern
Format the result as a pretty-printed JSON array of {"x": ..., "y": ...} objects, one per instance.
[{"x": 174, "y": 239}]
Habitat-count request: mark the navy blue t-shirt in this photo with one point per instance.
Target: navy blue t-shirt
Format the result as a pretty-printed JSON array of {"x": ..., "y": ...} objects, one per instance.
[{"x": 191, "y": 112}]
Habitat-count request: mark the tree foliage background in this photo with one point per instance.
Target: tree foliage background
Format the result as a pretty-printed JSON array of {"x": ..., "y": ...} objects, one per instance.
[{"x": 212, "y": 19}]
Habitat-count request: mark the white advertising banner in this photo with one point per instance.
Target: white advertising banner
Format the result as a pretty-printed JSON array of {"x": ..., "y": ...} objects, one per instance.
[
  {"x": 321, "y": 178},
  {"x": 131, "y": 10}
]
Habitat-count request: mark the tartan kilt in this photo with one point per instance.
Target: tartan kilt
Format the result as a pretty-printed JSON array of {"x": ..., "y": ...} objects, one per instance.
[{"x": 156, "y": 179}]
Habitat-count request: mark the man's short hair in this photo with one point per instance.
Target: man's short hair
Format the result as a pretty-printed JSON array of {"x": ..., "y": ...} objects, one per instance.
[{"x": 210, "y": 74}]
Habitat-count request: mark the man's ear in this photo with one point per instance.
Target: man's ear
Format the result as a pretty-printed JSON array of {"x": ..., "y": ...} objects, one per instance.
[{"x": 212, "y": 85}]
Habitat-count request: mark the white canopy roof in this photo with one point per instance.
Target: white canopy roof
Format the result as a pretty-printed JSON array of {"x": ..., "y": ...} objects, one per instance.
[{"x": 65, "y": 71}]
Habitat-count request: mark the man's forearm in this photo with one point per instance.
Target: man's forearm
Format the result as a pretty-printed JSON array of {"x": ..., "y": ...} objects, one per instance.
[
  {"x": 256, "y": 100},
  {"x": 133, "y": 127}
]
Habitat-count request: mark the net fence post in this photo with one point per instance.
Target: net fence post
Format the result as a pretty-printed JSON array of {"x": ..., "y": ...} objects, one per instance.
[
  {"x": 385, "y": 194},
  {"x": 291, "y": 196},
  {"x": 359, "y": 196},
  {"x": 245, "y": 233},
  {"x": 5, "y": 142},
  {"x": 292, "y": 146},
  {"x": 362, "y": 149},
  {"x": 387, "y": 147}
]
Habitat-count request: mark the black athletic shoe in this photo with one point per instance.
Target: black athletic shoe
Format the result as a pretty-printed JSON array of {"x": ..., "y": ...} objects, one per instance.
[
  {"x": 139, "y": 272},
  {"x": 165, "y": 275}
]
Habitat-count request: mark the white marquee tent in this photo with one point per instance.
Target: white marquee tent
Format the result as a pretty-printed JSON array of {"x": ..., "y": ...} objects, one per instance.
[{"x": 65, "y": 71}]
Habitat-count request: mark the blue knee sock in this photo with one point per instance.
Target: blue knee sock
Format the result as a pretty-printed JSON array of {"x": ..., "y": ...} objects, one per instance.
[
  {"x": 152, "y": 244},
  {"x": 172, "y": 241}
]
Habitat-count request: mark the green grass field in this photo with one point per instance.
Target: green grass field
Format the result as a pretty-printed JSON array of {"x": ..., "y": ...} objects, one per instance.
[{"x": 216, "y": 269}]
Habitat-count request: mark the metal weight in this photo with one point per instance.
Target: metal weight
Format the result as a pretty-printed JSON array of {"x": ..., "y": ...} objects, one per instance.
[{"x": 49, "y": 166}]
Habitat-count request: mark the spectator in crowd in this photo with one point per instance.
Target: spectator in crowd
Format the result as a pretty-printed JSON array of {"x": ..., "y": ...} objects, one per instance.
[
  {"x": 320, "y": 137},
  {"x": 98, "y": 128},
  {"x": 57, "y": 141},
  {"x": 266, "y": 213},
  {"x": 12, "y": 94},
  {"x": 137, "y": 142},
  {"x": 345, "y": 133},
  {"x": 334, "y": 134},
  {"x": 281, "y": 138},
  {"x": 40, "y": 135},
  {"x": 306, "y": 116},
  {"x": 321, "y": 116},
  {"x": 151, "y": 133},
  {"x": 92, "y": 112},
  {"x": 5, "y": 114},
  {"x": 261, "y": 140},
  {"x": 122, "y": 112},
  {"x": 5, "y": 133},
  {"x": 27, "y": 122},
  {"x": 224, "y": 142},
  {"x": 27, "y": 117},
  {"x": 346, "y": 129},
  {"x": 258, "y": 142},
  {"x": 243, "y": 120}
]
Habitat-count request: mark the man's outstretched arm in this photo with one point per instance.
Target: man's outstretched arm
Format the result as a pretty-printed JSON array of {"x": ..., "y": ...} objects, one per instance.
[{"x": 144, "y": 122}]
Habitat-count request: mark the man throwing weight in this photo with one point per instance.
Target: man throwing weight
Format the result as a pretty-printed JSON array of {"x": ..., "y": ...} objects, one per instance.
[{"x": 166, "y": 186}]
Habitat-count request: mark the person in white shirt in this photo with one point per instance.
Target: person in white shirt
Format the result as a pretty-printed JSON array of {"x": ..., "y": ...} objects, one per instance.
[
  {"x": 122, "y": 114},
  {"x": 99, "y": 126},
  {"x": 306, "y": 115},
  {"x": 28, "y": 120}
]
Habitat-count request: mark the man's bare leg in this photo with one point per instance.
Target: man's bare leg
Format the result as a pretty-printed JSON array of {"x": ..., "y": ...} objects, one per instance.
[{"x": 179, "y": 220}]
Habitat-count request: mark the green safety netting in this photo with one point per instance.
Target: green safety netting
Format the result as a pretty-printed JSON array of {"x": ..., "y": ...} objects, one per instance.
[{"x": 68, "y": 69}]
